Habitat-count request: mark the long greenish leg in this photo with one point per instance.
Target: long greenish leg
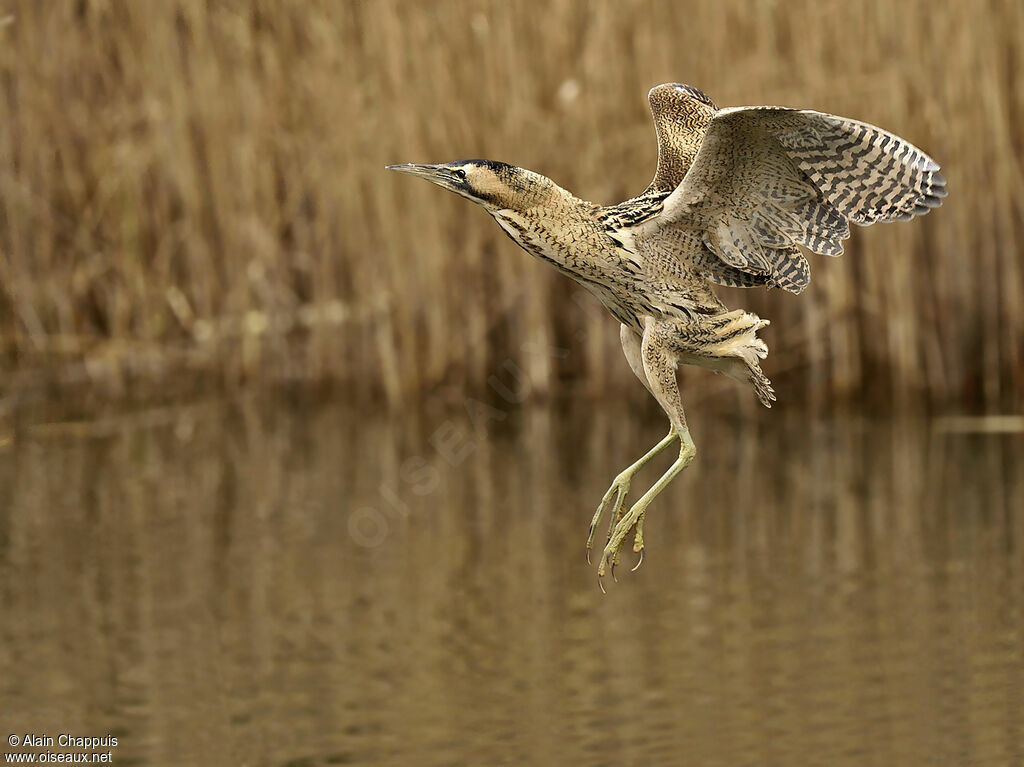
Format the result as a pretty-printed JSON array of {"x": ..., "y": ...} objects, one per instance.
[
  {"x": 620, "y": 488},
  {"x": 638, "y": 540},
  {"x": 654, "y": 360},
  {"x": 687, "y": 451}
]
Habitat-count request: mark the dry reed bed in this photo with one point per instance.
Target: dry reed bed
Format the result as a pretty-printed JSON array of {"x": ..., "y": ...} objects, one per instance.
[{"x": 195, "y": 190}]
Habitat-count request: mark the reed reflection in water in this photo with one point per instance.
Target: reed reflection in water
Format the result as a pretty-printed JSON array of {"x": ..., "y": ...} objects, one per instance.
[{"x": 844, "y": 594}]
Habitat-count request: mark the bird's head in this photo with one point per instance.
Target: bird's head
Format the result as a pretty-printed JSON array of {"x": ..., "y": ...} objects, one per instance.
[{"x": 495, "y": 185}]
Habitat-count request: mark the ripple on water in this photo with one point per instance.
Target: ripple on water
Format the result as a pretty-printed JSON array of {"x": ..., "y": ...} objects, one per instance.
[{"x": 845, "y": 594}]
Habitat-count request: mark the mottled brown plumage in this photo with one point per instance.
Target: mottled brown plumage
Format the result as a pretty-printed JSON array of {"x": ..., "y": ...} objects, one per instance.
[{"x": 736, "y": 195}]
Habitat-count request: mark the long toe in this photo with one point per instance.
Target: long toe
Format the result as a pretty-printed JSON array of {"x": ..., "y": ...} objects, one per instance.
[{"x": 616, "y": 495}]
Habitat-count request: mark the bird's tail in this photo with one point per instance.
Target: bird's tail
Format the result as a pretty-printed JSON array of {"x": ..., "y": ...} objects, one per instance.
[{"x": 762, "y": 386}]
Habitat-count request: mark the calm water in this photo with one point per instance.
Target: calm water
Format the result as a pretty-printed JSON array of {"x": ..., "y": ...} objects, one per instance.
[{"x": 243, "y": 585}]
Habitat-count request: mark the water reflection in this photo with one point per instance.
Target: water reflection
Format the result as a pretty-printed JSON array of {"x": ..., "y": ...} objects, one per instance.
[{"x": 845, "y": 593}]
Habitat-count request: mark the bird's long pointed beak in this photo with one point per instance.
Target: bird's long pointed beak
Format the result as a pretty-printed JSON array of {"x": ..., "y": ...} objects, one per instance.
[{"x": 435, "y": 173}]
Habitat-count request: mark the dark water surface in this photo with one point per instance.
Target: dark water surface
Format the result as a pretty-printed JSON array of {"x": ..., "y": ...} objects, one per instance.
[{"x": 247, "y": 585}]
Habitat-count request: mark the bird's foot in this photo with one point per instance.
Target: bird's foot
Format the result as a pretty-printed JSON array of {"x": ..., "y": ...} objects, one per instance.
[
  {"x": 633, "y": 519},
  {"x": 614, "y": 498}
]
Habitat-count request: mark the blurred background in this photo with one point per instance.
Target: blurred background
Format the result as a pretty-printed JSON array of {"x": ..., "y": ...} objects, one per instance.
[
  {"x": 192, "y": 194},
  {"x": 297, "y": 456}
]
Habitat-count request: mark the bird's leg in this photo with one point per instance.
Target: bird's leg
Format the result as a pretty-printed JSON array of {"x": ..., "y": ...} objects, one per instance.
[
  {"x": 658, "y": 356},
  {"x": 687, "y": 450},
  {"x": 632, "y": 343},
  {"x": 620, "y": 488},
  {"x": 638, "y": 539}
]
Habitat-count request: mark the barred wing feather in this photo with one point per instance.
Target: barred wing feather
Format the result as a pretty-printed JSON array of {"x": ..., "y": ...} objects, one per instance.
[
  {"x": 681, "y": 115},
  {"x": 768, "y": 178}
]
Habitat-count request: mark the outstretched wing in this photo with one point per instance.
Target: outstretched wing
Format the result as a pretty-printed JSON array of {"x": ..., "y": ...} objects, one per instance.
[
  {"x": 767, "y": 179},
  {"x": 682, "y": 115}
]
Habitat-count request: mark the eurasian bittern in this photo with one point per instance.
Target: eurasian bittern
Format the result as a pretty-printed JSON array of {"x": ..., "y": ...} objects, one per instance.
[{"x": 735, "y": 193}]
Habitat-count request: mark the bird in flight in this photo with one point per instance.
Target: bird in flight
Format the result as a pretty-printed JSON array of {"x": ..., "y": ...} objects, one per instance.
[{"x": 738, "y": 196}]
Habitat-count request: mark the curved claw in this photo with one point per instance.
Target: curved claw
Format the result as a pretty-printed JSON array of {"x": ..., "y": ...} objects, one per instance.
[
  {"x": 613, "y": 571},
  {"x": 638, "y": 562},
  {"x": 600, "y": 583},
  {"x": 593, "y": 526}
]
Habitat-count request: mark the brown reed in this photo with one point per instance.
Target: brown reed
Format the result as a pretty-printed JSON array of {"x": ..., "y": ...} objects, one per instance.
[{"x": 194, "y": 191}]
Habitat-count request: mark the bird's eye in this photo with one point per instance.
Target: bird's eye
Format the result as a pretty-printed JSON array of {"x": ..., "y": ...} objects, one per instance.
[{"x": 460, "y": 174}]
